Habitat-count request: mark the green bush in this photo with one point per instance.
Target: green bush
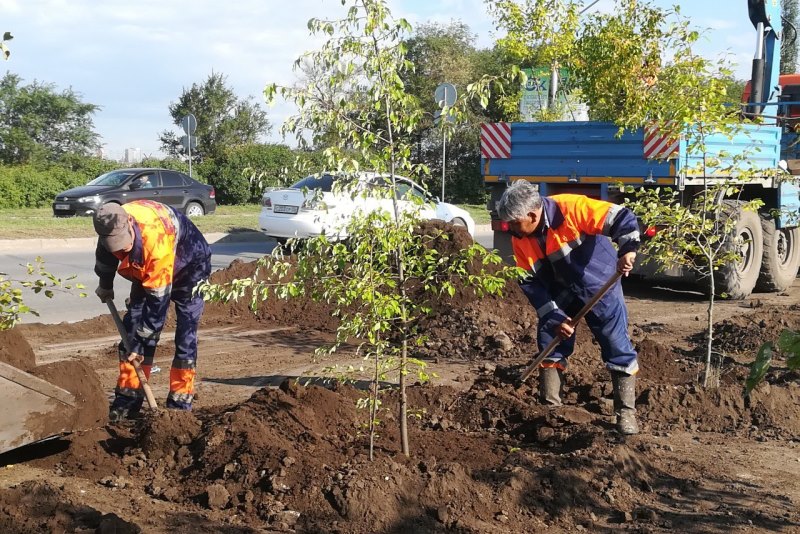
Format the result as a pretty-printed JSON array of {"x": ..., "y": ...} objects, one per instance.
[
  {"x": 26, "y": 186},
  {"x": 88, "y": 166},
  {"x": 246, "y": 170}
]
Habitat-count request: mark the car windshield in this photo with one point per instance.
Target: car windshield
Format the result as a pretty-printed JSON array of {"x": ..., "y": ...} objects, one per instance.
[
  {"x": 112, "y": 178},
  {"x": 322, "y": 183}
]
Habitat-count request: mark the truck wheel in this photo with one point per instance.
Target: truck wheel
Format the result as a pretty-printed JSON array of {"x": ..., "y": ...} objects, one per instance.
[
  {"x": 737, "y": 280},
  {"x": 781, "y": 256}
]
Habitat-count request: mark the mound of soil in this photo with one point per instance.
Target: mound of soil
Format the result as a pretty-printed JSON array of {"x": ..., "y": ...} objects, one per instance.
[
  {"x": 15, "y": 350},
  {"x": 745, "y": 333},
  {"x": 79, "y": 379},
  {"x": 486, "y": 457}
]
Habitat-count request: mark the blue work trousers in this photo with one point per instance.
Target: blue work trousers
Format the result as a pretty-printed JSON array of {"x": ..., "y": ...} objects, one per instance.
[
  {"x": 188, "y": 310},
  {"x": 609, "y": 326}
]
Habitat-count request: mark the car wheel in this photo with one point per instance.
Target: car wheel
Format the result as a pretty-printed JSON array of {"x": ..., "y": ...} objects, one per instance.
[
  {"x": 193, "y": 209},
  {"x": 458, "y": 221}
]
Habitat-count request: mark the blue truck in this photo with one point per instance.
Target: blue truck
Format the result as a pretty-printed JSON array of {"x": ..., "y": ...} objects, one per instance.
[{"x": 589, "y": 158}]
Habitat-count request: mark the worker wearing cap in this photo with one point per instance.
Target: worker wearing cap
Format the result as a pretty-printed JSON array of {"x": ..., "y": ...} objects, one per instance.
[
  {"x": 562, "y": 242},
  {"x": 164, "y": 255}
]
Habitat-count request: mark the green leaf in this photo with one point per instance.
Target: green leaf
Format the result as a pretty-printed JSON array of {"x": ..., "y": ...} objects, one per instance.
[
  {"x": 789, "y": 343},
  {"x": 759, "y": 368}
]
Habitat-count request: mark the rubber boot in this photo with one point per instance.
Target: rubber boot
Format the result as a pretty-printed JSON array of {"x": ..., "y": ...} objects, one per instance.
[
  {"x": 625, "y": 402},
  {"x": 550, "y": 380}
]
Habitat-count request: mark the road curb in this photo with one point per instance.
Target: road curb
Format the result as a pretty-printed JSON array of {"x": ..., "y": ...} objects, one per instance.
[{"x": 75, "y": 243}]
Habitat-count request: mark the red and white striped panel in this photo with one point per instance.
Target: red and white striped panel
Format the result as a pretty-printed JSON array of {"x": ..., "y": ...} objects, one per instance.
[
  {"x": 496, "y": 140},
  {"x": 658, "y": 144}
]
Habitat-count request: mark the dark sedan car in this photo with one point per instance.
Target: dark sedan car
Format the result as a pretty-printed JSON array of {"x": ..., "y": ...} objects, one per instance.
[{"x": 126, "y": 185}]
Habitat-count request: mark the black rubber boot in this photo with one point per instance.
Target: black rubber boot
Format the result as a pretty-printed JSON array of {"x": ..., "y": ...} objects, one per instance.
[
  {"x": 625, "y": 402},
  {"x": 550, "y": 382}
]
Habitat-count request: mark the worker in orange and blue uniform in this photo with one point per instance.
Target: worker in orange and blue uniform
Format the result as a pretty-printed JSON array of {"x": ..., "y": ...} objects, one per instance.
[
  {"x": 164, "y": 255},
  {"x": 563, "y": 243}
]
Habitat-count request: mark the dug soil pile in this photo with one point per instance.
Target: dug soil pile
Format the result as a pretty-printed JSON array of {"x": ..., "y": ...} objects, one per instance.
[{"x": 486, "y": 458}]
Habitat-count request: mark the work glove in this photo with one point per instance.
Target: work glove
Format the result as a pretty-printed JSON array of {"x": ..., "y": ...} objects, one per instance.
[{"x": 103, "y": 294}]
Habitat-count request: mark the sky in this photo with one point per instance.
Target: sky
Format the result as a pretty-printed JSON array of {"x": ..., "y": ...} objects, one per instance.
[{"x": 133, "y": 58}]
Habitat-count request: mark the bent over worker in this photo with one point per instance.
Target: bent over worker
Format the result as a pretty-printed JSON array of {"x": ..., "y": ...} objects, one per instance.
[
  {"x": 562, "y": 242},
  {"x": 164, "y": 255}
]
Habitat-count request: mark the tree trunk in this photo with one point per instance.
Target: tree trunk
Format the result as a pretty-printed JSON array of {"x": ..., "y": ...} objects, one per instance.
[
  {"x": 404, "y": 399},
  {"x": 373, "y": 409},
  {"x": 708, "y": 376}
]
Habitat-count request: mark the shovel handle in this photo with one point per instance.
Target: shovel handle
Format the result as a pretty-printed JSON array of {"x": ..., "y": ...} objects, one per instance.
[
  {"x": 526, "y": 374},
  {"x": 148, "y": 392}
]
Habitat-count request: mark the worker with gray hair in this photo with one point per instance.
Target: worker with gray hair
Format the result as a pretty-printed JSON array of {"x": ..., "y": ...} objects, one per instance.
[{"x": 562, "y": 242}]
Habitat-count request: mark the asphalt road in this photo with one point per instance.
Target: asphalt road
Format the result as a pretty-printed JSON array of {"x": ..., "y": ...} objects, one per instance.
[
  {"x": 79, "y": 261},
  {"x": 68, "y": 306}
]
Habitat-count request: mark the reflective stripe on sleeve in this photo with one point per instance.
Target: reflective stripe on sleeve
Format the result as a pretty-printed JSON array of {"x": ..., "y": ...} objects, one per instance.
[
  {"x": 547, "y": 308},
  {"x": 611, "y": 217},
  {"x": 631, "y": 236}
]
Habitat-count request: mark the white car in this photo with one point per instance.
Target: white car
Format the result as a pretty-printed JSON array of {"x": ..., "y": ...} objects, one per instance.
[{"x": 314, "y": 206}]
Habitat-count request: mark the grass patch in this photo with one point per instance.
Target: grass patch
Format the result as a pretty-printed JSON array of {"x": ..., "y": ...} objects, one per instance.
[
  {"x": 478, "y": 212},
  {"x": 27, "y": 223}
]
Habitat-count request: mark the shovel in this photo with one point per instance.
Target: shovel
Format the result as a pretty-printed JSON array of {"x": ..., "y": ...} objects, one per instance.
[
  {"x": 548, "y": 350},
  {"x": 148, "y": 393}
]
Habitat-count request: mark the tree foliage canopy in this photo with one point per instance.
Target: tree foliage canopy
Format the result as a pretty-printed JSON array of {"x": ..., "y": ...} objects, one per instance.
[
  {"x": 223, "y": 119},
  {"x": 40, "y": 124}
]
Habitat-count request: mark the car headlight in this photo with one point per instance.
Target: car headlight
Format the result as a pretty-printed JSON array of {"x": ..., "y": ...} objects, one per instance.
[{"x": 89, "y": 200}]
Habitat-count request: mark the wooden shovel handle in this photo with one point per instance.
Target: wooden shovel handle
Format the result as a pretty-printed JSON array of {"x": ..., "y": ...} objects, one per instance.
[
  {"x": 558, "y": 339},
  {"x": 137, "y": 364}
]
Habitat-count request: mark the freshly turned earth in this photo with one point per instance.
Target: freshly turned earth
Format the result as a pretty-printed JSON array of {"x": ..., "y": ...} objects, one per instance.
[{"x": 274, "y": 444}]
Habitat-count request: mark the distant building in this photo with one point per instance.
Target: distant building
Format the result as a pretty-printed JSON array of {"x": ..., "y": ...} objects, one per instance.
[{"x": 132, "y": 155}]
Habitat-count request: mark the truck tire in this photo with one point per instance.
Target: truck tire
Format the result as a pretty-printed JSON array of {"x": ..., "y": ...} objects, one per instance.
[
  {"x": 781, "y": 256},
  {"x": 736, "y": 281}
]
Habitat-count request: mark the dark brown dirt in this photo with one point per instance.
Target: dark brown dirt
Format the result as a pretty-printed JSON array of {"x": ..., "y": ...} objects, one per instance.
[
  {"x": 34, "y": 507},
  {"x": 486, "y": 457}
]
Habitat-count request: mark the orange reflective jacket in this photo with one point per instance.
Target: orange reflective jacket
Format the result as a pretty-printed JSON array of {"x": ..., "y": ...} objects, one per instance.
[
  {"x": 577, "y": 257},
  {"x": 159, "y": 231}
]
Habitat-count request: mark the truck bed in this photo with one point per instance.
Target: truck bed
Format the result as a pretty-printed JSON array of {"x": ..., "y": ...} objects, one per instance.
[{"x": 592, "y": 153}]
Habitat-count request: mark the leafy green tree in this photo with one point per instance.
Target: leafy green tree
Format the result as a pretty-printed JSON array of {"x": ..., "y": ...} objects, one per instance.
[
  {"x": 734, "y": 89},
  {"x": 538, "y": 33},
  {"x": 3, "y": 47},
  {"x": 789, "y": 13},
  {"x": 446, "y": 53},
  {"x": 384, "y": 278},
  {"x": 223, "y": 119},
  {"x": 40, "y": 124}
]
